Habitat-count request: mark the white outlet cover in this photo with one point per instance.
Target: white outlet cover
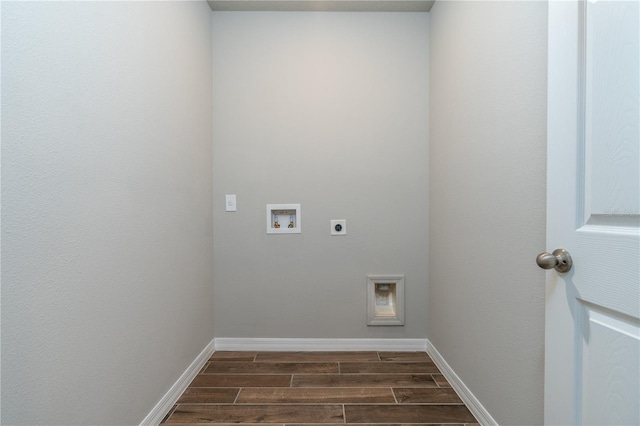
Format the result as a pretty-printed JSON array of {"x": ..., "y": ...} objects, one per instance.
[
  {"x": 230, "y": 202},
  {"x": 342, "y": 223}
]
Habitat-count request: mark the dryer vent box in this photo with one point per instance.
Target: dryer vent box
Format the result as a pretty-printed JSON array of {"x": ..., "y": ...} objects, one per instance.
[{"x": 385, "y": 300}]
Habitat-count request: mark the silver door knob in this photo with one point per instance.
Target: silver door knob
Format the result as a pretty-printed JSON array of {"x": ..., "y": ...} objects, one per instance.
[{"x": 559, "y": 259}]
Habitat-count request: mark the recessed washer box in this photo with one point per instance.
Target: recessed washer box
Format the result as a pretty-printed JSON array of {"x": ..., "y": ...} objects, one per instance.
[
  {"x": 283, "y": 219},
  {"x": 385, "y": 299}
]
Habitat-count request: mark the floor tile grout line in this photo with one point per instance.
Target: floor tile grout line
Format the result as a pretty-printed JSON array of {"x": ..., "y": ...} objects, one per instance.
[
  {"x": 344, "y": 415},
  {"x": 203, "y": 369},
  {"x": 303, "y": 373},
  {"x": 435, "y": 381},
  {"x": 394, "y": 395},
  {"x": 237, "y": 395},
  {"x": 302, "y": 404},
  {"x": 362, "y": 386}
]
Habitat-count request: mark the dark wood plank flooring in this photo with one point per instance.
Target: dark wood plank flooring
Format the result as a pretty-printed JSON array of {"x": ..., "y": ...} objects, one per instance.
[{"x": 319, "y": 388}]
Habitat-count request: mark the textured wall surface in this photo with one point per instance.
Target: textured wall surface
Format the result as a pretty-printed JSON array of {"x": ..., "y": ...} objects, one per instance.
[
  {"x": 106, "y": 206},
  {"x": 329, "y": 110},
  {"x": 487, "y": 200}
]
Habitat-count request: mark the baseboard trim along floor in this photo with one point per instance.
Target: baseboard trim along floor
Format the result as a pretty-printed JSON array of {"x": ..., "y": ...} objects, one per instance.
[
  {"x": 283, "y": 345},
  {"x": 472, "y": 403},
  {"x": 169, "y": 399},
  {"x": 273, "y": 344}
]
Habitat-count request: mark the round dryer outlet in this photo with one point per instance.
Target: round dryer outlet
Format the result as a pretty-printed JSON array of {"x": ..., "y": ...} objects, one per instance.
[{"x": 338, "y": 227}]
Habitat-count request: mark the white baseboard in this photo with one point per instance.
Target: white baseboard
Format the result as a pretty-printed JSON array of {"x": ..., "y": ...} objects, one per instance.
[
  {"x": 264, "y": 344},
  {"x": 472, "y": 403},
  {"x": 169, "y": 399}
]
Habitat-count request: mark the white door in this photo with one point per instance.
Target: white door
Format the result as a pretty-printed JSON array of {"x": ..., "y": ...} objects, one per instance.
[{"x": 592, "y": 343}]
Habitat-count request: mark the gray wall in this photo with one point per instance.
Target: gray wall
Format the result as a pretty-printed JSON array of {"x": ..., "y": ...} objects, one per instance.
[
  {"x": 487, "y": 200},
  {"x": 329, "y": 110},
  {"x": 106, "y": 206}
]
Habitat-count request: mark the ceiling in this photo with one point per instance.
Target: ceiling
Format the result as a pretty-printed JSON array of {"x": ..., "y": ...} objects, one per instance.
[{"x": 322, "y": 5}]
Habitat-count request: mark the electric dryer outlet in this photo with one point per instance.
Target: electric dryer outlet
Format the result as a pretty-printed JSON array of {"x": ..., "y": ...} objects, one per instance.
[{"x": 338, "y": 227}]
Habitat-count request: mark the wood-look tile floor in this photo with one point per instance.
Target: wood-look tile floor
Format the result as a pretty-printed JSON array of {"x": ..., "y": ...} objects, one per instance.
[{"x": 316, "y": 388}]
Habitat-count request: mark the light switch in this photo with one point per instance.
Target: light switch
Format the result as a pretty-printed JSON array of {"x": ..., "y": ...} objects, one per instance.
[{"x": 230, "y": 202}]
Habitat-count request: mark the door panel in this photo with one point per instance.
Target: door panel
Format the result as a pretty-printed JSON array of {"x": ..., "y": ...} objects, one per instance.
[
  {"x": 592, "y": 342},
  {"x": 612, "y": 189},
  {"x": 610, "y": 362}
]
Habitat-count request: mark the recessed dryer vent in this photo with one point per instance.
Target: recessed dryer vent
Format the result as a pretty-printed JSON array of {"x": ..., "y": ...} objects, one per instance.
[
  {"x": 385, "y": 300},
  {"x": 283, "y": 219}
]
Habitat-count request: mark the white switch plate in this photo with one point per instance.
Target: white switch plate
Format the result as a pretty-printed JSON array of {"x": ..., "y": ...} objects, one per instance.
[
  {"x": 340, "y": 223},
  {"x": 230, "y": 202}
]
